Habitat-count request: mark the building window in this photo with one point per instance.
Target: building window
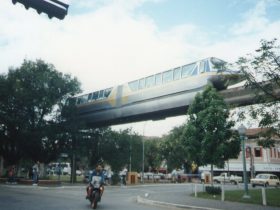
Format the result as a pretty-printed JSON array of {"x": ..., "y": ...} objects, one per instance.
[
  {"x": 258, "y": 151},
  {"x": 248, "y": 151},
  {"x": 273, "y": 152}
]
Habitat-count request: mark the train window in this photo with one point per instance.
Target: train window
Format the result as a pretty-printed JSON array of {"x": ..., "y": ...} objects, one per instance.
[
  {"x": 107, "y": 92},
  {"x": 207, "y": 67},
  {"x": 94, "y": 95},
  {"x": 89, "y": 96},
  {"x": 167, "y": 76},
  {"x": 142, "y": 83},
  {"x": 218, "y": 64},
  {"x": 84, "y": 98},
  {"x": 133, "y": 85},
  {"x": 71, "y": 101},
  {"x": 75, "y": 101},
  {"x": 79, "y": 100},
  {"x": 201, "y": 67},
  {"x": 195, "y": 71},
  {"x": 187, "y": 70},
  {"x": 158, "y": 79},
  {"x": 150, "y": 81},
  {"x": 177, "y": 73},
  {"x": 258, "y": 151},
  {"x": 101, "y": 94}
]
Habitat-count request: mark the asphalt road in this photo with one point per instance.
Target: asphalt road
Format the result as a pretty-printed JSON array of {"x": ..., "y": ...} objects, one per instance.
[{"x": 19, "y": 197}]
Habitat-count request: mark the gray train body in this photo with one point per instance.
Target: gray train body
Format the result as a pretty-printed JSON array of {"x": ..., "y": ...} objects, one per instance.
[{"x": 155, "y": 97}]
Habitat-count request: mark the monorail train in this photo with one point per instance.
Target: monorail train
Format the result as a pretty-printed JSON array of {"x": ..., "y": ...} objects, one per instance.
[{"x": 158, "y": 96}]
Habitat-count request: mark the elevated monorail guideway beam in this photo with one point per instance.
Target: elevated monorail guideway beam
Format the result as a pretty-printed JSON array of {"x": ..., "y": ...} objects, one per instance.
[
  {"x": 242, "y": 96},
  {"x": 53, "y": 8}
]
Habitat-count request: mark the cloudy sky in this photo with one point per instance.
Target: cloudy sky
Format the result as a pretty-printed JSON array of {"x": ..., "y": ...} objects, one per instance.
[{"x": 109, "y": 42}]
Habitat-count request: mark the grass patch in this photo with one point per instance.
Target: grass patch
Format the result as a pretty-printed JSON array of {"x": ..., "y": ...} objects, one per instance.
[{"x": 272, "y": 196}]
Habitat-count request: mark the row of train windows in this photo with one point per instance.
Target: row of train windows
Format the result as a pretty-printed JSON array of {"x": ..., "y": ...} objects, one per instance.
[
  {"x": 158, "y": 79},
  {"x": 171, "y": 75},
  {"x": 97, "y": 95}
]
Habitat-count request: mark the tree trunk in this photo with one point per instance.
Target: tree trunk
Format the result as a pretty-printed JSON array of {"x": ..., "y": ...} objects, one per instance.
[
  {"x": 73, "y": 161},
  {"x": 212, "y": 173},
  {"x": 73, "y": 168},
  {"x": 1, "y": 165}
]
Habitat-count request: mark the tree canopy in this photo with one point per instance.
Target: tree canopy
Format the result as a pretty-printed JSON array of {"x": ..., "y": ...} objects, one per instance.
[
  {"x": 207, "y": 136},
  {"x": 172, "y": 148},
  {"x": 32, "y": 97},
  {"x": 262, "y": 72}
]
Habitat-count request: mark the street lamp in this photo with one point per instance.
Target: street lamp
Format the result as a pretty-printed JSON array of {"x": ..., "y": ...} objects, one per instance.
[
  {"x": 242, "y": 132},
  {"x": 251, "y": 161},
  {"x": 143, "y": 159},
  {"x": 143, "y": 152},
  {"x": 130, "y": 156}
]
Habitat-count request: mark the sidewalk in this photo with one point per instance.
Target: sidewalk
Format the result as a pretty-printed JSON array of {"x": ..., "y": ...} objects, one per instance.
[{"x": 183, "y": 200}]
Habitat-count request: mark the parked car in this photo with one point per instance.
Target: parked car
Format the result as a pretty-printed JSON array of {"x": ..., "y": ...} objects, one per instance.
[
  {"x": 150, "y": 175},
  {"x": 224, "y": 178},
  {"x": 265, "y": 180}
]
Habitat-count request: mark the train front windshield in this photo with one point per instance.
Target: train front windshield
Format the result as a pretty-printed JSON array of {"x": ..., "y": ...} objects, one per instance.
[{"x": 218, "y": 65}]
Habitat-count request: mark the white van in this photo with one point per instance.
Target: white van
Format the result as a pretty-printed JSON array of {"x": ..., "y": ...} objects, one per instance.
[{"x": 66, "y": 168}]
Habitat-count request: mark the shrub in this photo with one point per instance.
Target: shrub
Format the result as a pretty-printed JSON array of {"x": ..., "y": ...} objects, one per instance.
[{"x": 213, "y": 190}]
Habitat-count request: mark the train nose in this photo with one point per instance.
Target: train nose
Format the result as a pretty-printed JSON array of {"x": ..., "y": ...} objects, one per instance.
[{"x": 224, "y": 79}]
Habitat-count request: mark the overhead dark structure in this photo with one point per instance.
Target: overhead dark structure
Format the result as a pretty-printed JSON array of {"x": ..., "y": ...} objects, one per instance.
[{"x": 53, "y": 8}]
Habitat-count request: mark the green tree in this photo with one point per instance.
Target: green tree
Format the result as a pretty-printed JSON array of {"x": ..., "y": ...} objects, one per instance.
[
  {"x": 172, "y": 149},
  {"x": 153, "y": 158},
  {"x": 118, "y": 147},
  {"x": 207, "y": 136},
  {"x": 262, "y": 72},
  {"x": 32, "y": 97},
  {"x": 73, "y": 131}
]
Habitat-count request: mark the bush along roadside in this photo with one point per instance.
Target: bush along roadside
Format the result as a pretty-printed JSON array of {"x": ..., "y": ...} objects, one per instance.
[{"x": 212, "y": 190}]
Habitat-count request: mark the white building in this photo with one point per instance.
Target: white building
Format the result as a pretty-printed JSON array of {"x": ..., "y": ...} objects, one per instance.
[{"x": 258, "y": 159}]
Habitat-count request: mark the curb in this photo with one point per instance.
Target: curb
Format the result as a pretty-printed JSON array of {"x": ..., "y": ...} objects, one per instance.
[{"x": 173, "y": 205}]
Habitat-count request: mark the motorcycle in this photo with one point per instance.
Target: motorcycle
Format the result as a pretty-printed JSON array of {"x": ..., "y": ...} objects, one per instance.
[{"x": 95, "y": 191}]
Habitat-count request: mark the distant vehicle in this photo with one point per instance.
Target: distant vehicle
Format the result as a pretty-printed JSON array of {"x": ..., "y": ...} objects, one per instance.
[
  {"x": 265, "y": 180},
  {"x": 63, "y": 168},
  {"x": 150, "y": 175},
  {"x": 224, "y": 178},
  {"x": 66, "y": 168}
]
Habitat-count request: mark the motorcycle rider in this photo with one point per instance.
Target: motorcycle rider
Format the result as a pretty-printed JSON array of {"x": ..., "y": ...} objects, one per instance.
[{"x": 97, "y": 172}]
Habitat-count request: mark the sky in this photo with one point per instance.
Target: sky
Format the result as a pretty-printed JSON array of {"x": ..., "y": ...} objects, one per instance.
[{"x": 109, "y": 42}]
